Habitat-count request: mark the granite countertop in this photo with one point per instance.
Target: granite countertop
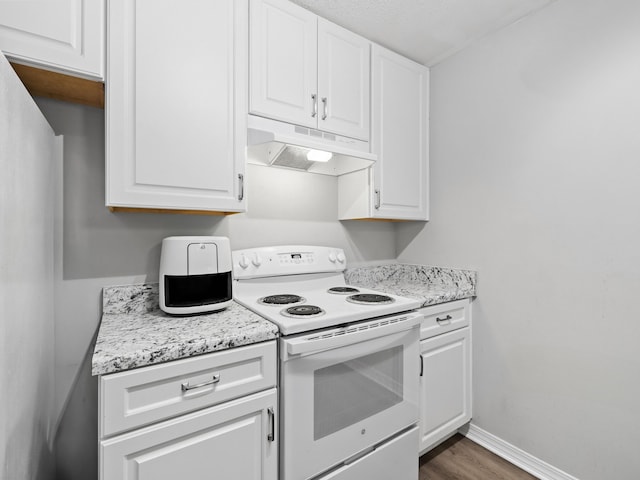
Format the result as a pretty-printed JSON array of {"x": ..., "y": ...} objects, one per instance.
[
  {"x": 134, "y": 332},
  {"x": 430, "y": 285}
]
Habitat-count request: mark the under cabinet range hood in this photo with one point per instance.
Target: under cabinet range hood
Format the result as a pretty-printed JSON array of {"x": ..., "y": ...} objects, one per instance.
[{"x": 280, "y": 144}]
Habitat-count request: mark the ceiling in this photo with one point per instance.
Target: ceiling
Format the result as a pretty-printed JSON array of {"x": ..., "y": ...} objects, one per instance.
[{"x": 426, "y": 31}]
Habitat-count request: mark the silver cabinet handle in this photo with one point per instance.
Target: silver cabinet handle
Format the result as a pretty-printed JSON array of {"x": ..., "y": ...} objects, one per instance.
[
  {"x": 186, "y": 387},
  {"x": 446, "y": 319},
  {"x": 314, "y": 111},
  {"x": 271, "y": 436},
  {"x": 241, "y": 186},
  {"x": 324, "y": 108},
  {"x": 377, "y": 204}
]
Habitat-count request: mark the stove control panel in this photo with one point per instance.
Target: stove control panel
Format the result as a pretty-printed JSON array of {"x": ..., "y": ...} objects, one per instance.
[
  {"x": 286, "y": 260},
  {"x": 296, "y": 258}
]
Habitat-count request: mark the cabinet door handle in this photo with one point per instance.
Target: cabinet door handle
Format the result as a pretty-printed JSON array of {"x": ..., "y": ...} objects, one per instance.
[
  {"x": 377, "y": 204},
  {"x": 446, "y": 319},
  {"x": 241, "y": 186},
  {"x": 324, "y": 108},
  {"x": 421, "y": 365},
  {"x": 186, "y": 387},
  {"x": 271, "y": 436},
  {"x": 314, "y": 105}
]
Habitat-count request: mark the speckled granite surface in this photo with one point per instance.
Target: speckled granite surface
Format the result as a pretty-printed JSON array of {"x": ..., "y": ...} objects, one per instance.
[
  {"x": 431, "y": 285},
  {"x": 135, "y": 333}
]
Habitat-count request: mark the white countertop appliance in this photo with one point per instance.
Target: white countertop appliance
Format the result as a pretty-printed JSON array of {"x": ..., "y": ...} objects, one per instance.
[
  {"x": 349, "y": 364},
  {"x": 195, "y": 274}
]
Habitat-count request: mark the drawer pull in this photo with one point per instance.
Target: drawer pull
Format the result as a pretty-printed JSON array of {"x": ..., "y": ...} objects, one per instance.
[
  {"x": 186, "y": 387},
  {"x": 446, "y": 320}
]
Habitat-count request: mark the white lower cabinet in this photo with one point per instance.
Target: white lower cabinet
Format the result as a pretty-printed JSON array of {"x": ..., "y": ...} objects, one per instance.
[
  {"x": 222, "y": 424},
  {"x": 445, "y": 381},
  {"x": 225, "y": 442}
]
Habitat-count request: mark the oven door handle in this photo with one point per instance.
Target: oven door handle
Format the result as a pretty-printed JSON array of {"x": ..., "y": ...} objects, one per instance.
[{"x": 355, "y": 333}]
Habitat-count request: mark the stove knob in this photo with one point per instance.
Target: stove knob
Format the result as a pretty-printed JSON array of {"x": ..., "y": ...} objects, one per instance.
[
  {"x": 243, "y": 262},
  {"x": 340, "y": 257},
  {"x": 332, "y": 257},
  {"x": 257, "y": 261}
]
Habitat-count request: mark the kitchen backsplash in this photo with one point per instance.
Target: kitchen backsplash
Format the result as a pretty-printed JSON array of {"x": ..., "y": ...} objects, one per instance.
[
  {"x": 409, "y": 279},
  {"x": 141, "y": 298}
]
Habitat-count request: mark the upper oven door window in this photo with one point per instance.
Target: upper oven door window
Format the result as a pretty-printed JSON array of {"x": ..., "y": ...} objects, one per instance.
[{"x": 340, "y": 401}]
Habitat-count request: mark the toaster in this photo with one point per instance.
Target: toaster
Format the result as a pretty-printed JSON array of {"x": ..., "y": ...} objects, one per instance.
[{"x": 195, "y": 275}]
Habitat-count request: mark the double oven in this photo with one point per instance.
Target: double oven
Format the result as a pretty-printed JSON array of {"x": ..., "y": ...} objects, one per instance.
[{"x": 349, "y": 365}]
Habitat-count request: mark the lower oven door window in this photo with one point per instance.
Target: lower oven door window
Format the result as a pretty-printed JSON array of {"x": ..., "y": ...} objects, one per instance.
[
  {"x": 339, "y": 402},
  {"x": 349, "y": 392}
]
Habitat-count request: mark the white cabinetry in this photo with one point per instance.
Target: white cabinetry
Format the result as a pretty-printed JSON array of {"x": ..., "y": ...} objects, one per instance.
[
  {"x": 176, "y": 104},
  {"x": 212, "y": 415},
  {"x": 63, "y": 35},
  {"x": 308, "y": 71},
  {"x": 397, "y": 186},
  {"x": 445, "y": 381}
]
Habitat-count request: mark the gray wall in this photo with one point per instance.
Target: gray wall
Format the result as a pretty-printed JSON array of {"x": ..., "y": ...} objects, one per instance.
[
  {"x": 535, "y": 163},
  {"x": 98, "y": 248},
  {"x": 29, "y": 155}
]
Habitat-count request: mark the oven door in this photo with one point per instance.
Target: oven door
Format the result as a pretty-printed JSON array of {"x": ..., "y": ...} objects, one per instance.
[{"x": 345, "y": 390}]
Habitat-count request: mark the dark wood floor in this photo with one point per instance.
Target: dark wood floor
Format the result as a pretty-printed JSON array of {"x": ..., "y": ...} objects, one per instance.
[{"x": 461, "y": 459}]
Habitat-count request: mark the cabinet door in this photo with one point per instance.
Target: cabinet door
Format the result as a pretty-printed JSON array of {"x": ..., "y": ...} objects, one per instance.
[
  {"x": 445, "y": 386},
  {"x": 343, "y": 81},
  {"x": 283, "y": 56},
  {"x": 399, "y": 136},
  {"x": 228, "y": 442},
  {"x": 176, "y": 104},
  {"x": 63, "y": 35}
]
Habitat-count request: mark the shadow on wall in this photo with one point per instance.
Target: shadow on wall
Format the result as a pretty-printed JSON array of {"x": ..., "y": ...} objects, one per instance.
[
  {"x": 99, "y": 243},
  {"x": 370, "y": 242},
  {"x": 76, "y": 452},
  {"x": 40, "y": 457},
  {"x": 406, "y": 233}
]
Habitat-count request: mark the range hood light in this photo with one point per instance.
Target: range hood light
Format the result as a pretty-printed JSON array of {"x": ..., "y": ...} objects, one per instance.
[{"x": 319, "y": 156}]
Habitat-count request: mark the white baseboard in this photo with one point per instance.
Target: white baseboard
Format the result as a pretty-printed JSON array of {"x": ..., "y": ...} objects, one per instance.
[{"x": 513, "y": 454}]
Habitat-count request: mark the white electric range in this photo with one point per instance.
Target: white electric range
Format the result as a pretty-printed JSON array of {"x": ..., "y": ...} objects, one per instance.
[{"x": 349, "y": 359}]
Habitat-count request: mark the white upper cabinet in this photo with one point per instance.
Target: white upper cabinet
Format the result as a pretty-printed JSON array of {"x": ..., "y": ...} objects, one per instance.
[
  {"x": 61, "y": 35},
  {"x": 308, "y": 71},
  {"x": 397, "y": 186},
  {"x": 283, "y": 68},
  {"x": 343, "y": 81},
  {"x": 176, "y": 104}
]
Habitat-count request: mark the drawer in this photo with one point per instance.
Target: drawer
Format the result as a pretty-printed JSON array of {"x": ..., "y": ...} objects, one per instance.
[
  {"x": 150, "y": 394},
  {"x": 444, "y": 318}
]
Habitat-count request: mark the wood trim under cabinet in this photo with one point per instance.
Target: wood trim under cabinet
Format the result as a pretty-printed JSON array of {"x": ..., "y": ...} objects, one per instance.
[
  {"x": 174, "y": 211},
  {"x": 45, "y": 83}
]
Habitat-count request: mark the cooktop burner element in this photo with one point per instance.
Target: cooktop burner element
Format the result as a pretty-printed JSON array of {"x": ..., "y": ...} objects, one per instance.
[
  {"x": 281, "y": 299},
  {"x": 370, "y": 299},
  {"x": 343, "y": 290},
  {"x": 302, "y": 311}
]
